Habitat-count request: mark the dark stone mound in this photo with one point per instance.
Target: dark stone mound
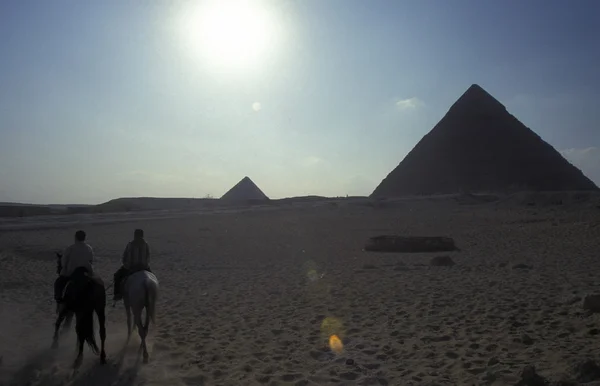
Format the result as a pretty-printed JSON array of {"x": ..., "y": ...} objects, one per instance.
[
  {"x": 442, "y": 261},
  {"x": 592, "y": 303},
  {"x": 529, "y": 377},
  {"x": 565, "y": 382},
  {"x": 414, "y": 244},
  {"x": 475, "y": 199},
  {"x": 522, "y": 266},
  {"x": 587, "y": 371}
]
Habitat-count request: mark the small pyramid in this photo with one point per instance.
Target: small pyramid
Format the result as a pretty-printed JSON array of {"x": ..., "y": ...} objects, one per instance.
[
  {"x": 245, "y": 190},
  {"x": 478, "y": 146}
]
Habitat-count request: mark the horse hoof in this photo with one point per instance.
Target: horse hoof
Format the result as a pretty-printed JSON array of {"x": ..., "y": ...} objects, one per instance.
[
  {"x": 103, "y": 359},
  {"x": 54, "y": 345},
  {"x": 77, "y": 363},
  {"x": 145, "y": 361}
]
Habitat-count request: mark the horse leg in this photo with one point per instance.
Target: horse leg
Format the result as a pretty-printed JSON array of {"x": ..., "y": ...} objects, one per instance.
[
  {"x": 79, "y": 358},
  {"x": 147, "y": 324},
  {"x": 128, "y": 313},
  {"x": 137, "y": 315},
  {"x": 59, "y": 320},
  {"x": 102, "y": 330},
  {"x": 68, "y": 321},
  {"x": 80, "y": 341}
]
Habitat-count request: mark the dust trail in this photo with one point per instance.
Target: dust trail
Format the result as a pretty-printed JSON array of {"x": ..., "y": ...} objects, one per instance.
[{"x": 31, "y": 361}]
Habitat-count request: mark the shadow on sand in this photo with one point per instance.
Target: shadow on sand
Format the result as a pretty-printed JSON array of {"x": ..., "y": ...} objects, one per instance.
[
  {"x": 42, "y": 369},
  {"x": 31, "y": 372}
]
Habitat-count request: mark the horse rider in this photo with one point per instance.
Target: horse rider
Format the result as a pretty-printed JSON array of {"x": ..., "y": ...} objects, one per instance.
[
  {"x": 136, "y": 257},
  {"x": 78, "y": 256}
]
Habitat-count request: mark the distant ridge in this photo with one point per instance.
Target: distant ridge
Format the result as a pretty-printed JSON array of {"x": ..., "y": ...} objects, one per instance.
[
  {"x": 245, "y": 190},
  {"x": 45, "y": 205},
  {"x": 478, "y": 146}
]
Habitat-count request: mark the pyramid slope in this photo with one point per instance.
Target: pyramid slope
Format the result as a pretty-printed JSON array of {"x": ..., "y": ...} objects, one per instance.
[
  {"x": 245, "y": 190},
  {"x": 478, "y": 146}
]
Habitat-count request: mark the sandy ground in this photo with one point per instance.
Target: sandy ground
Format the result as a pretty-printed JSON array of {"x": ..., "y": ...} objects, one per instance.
[{"x": 251, "y": 298}]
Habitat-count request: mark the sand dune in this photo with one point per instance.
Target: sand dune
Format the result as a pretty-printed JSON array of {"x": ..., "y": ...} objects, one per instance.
[{"x": 251, "y": 298}]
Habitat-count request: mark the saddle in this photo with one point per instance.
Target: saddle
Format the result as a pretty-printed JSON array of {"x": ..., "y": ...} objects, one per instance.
[
  {"x": 79, "y": 283},
  {"x": 119, "y": 285}
]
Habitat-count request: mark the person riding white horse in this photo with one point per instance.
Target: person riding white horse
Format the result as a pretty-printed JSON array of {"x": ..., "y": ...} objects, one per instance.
[
  {"x": 136, "y": 257},
  {"x": 135, "y": 283}
]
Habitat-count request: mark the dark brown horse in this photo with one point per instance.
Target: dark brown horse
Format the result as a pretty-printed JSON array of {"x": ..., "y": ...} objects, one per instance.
[{"x": 84, "y": 294}]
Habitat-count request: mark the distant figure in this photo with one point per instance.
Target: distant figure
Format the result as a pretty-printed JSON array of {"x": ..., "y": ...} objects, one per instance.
[
  {"x": 136, "y": 257},
  {"x": 78, "y": 255}
]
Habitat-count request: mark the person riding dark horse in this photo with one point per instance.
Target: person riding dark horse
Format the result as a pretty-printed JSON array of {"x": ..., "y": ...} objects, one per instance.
[
  {"x": 84, "y": 294},
  {"x": 136, "y": 257},
  {"x": 78, "y": 255}
]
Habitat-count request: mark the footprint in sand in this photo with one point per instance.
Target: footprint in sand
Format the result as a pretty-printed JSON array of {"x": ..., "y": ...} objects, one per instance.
[
  {"x": 291, "y": 377},
  {"x": 163, "y": 335},
  {"x": 263, "y": 378},
  {"x": 161, "y": 347},
  {"x": 194, "y": 380}
]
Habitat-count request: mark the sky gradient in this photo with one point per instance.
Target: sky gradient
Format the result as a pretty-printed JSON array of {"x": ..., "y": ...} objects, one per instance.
[{"x": 100, "y": 100}]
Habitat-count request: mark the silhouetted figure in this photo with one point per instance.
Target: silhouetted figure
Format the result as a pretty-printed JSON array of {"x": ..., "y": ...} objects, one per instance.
[{"x": 136, "y": 257}]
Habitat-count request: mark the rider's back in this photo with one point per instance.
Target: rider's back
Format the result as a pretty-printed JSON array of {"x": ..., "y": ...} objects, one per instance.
[
  {"x": 79, "y": 254},
  {"x": 137, "y": 255}
]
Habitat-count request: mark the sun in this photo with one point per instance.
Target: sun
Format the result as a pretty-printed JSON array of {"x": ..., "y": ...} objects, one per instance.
[{"x": 229, "y": 33}]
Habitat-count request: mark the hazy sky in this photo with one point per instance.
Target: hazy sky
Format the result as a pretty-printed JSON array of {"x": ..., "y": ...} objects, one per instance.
[{"x": 106, "y": 99}]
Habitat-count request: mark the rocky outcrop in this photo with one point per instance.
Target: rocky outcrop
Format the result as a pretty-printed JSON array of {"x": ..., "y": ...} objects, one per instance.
[{"x": 414, "y": 244}]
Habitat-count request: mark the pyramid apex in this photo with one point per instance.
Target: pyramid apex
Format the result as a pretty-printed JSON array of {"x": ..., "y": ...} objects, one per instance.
[
  {"x": 477, "y": 90},
  {"x": 245, "y": 189},
  {"x": 475, "y": 86},
  {"x": 477, "y": 100}
]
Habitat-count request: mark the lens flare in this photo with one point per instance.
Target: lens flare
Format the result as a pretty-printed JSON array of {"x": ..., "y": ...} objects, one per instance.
[
  {"x": 331, "y": 326},
  {"x": 336, "y": 345}
]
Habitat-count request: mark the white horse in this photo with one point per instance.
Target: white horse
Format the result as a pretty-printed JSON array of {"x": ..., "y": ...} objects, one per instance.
[{"x": 140, "y": 291}]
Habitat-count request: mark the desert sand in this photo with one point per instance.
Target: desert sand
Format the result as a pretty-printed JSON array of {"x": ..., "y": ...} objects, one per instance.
[{"x": 251, "y": 297}]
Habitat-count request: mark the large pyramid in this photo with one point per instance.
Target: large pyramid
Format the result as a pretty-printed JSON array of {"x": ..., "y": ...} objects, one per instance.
[
  {"x": 478, "y": 146},
  {"x": 245, "y": 190}
]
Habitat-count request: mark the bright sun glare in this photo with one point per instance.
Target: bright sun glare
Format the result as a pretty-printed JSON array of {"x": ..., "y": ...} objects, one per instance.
[{"x": 229, "y": 33}]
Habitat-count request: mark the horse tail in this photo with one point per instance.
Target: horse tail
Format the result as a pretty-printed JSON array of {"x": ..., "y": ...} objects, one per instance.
[
  {"x": 151, "y": 294},
  {"x": 85, "y": 328}
]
